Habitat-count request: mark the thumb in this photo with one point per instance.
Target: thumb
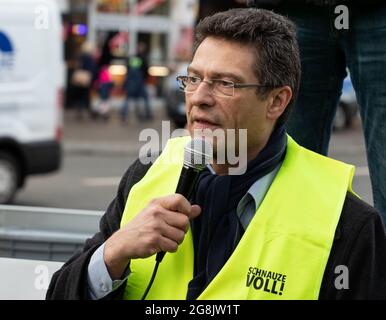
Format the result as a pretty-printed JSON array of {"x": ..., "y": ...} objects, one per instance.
[{"x": 195, "y": 212}]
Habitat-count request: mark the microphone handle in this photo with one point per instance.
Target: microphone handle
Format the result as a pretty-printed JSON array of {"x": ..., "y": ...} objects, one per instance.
[
  {"x": 185, "y": 187},
  {"x": 187, "y": 181}
]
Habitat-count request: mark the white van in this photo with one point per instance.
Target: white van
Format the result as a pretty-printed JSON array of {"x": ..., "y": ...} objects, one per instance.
[{"x": 31, "y": 90}]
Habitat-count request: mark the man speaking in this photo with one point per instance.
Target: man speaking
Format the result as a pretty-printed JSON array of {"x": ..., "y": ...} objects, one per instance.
[{"x": 280, "y": 230}]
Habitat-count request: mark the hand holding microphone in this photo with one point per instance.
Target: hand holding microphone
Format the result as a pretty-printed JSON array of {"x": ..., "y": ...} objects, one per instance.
[
  {"x": 197, "y": 155},
  {"x": 163, "y": 223}
]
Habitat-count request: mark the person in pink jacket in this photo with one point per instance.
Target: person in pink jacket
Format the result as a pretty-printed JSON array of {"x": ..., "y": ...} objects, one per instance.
[{"x": 104, "y": 85}]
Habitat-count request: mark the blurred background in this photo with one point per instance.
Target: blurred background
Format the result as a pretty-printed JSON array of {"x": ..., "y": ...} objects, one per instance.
[
  {"x": 79, "y": 80},
  {"x": 91, "y": 125}
]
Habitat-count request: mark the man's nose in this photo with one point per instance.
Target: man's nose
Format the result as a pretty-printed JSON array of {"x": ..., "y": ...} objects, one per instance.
[{"x": 202, "y": 96}]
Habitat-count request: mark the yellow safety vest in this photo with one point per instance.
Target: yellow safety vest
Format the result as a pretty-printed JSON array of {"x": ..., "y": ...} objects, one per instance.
[{"x": 284, "y": 251}]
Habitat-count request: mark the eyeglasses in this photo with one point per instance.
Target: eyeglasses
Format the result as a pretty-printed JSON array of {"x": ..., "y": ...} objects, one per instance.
[{"x": 219, "y": 87}]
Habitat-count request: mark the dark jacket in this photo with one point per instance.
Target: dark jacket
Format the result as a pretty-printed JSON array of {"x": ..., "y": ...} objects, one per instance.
[{"x": 359, "y": 244}]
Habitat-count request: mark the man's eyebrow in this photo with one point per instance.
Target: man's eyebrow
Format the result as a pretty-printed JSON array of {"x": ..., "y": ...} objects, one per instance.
[
  {"x": 231, "y": 75},
  {"x": 191, "y": 69},
  {"x": 219, "y": 75}
]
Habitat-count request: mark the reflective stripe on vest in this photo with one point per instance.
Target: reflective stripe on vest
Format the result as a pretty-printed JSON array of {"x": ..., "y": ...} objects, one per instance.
[{"x": 284, "y": 251}]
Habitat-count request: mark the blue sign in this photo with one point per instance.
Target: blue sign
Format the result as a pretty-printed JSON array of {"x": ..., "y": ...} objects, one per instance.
[{"x": 6, "y": 51}]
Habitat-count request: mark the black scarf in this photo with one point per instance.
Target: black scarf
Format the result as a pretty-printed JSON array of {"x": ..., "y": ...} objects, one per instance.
[{"x": 217, "y": 231}]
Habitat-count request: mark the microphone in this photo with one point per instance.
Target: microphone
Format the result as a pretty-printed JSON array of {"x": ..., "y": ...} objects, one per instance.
[{"x": 198, "y": 153}]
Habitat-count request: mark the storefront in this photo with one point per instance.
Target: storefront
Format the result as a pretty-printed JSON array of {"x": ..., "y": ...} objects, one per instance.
[{"x": 117, "y": 27}]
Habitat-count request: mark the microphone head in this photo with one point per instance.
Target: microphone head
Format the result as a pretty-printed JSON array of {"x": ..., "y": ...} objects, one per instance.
[{"x": 198, "y": 153}]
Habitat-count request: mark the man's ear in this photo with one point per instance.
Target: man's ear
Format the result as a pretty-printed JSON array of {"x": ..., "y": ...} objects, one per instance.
[{"x": 279, "y": 99}]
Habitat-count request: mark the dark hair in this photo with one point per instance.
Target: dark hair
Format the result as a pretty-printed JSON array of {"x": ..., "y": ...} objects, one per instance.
[{"x": 273, "y": 38}]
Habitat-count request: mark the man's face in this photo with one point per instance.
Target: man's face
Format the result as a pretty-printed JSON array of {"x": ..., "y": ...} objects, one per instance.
[{"x": 221, "y": 59}]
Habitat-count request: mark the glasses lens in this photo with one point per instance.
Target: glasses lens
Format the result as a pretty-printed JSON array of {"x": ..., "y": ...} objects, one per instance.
[
  {"x": 220, "y": 88},
  {"x": 192, "y": 83},
  {"x": 223, "y": 88}
]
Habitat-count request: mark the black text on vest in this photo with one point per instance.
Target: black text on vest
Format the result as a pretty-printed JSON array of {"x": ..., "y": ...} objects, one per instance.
[{"x": 268, "y": 281}]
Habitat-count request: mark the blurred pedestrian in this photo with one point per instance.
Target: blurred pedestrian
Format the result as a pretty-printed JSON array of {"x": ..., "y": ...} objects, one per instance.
[
  {"x": 82, "y": 79},
  {"x": 104, "y": 87},
  {"x": 135, "y": 86},
  {"x": 329, "y": 42}
]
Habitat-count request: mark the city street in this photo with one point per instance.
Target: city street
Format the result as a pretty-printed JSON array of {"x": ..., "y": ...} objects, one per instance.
[{"x": 97, "y": 154}]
